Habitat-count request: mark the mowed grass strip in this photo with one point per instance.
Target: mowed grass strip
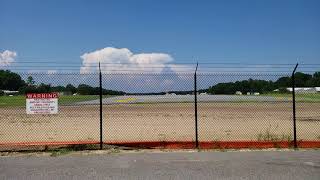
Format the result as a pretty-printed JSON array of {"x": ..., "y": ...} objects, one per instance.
[
  {"x": 12, "y": 101},
  {"x": 302, "y": 97}
]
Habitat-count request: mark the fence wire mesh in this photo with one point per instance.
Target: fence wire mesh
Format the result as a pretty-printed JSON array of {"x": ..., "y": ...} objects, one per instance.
[
  {"x": 308, "y": 115},
  {"x": 155, "y": 109},
  {"x": 75, "y": 123},
  {"x": 243, "y": 108},
  {"x": 150, "y": 110}
]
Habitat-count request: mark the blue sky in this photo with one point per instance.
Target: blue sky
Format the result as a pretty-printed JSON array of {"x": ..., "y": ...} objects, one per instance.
[{"x": 251, "y": 31}]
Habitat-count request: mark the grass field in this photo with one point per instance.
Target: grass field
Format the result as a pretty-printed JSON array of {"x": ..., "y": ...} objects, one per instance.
[
  {"x": 12, "y": 101},
  {"x": 299, "y": 97}
]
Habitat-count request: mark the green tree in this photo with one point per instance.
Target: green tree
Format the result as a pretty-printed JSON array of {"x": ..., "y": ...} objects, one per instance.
[
  {"x": 44, "y": 88},
  {"x": 316, "y": 79},
  {"x": 30, "y": 81},
  {"x": 84, "y": 89},
  {"x": 10, "y": 80},
  {"x": 71, "y": 88},
  {"x": 316, "y": 75},
  {"x": 302, "y": 79},
  {"x": 58, "y": 89},
  {"x": 283, "y": 82}
]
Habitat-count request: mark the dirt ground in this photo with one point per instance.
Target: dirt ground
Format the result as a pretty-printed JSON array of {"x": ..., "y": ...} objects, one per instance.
[{"x": 163, "y": 122}]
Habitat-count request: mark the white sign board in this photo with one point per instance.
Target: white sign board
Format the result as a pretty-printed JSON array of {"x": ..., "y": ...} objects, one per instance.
[{"x": 42, "y": 103}]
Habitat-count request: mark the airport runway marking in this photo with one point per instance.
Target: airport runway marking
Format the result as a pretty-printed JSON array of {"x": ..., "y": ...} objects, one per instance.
[{"x": 126, "y": 100}]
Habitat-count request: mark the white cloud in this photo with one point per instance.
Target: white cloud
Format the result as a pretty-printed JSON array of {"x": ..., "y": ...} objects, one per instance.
[
  {"x": 7, "y": 57},
  {"x": 127, "y": 70},
  {"x": 123, "y": 60},
  {"x": 52, "y": 71},
  {"x": 42, "y": 71}
]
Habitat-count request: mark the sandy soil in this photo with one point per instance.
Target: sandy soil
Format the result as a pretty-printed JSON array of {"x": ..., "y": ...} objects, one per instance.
[{"x": 162, "y": 122}]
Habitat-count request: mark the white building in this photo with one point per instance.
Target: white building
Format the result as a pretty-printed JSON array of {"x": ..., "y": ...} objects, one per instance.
[
  {"x": 253, "y": 93},
  {"x": 305, "y": 89},
  {"x": 238, "y": 93},
  {"x": 8, "y": 92}
]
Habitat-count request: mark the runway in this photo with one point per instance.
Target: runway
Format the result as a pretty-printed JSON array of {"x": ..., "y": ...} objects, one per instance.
[{"x": 184, "y": 99}]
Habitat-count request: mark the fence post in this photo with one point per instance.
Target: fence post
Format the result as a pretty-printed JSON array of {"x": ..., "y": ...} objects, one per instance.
[
  {"x": 294, "y": 107},
  {"x": 100, "y": 89},
  {"x": 196, "y": 106}
]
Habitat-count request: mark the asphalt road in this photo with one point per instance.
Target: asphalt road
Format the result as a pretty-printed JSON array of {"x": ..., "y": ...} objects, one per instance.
[
  {"x": 174, "y": 165},
  {"x": 183, "y": 98}
]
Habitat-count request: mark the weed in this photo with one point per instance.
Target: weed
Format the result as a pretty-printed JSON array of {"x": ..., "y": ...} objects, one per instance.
[
  {"x": 70, "y": 148},
  {"x": 269, "y": 136},
  {"x": 114, "y": 151},
  {"x": 81, "y": 147},
  {"x": 60, "y": 152}
]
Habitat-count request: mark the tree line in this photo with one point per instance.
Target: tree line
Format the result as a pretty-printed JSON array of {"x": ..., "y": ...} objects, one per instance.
[
  {"x": 263, "y": 86},
  {"x": 13, "y": 82}
]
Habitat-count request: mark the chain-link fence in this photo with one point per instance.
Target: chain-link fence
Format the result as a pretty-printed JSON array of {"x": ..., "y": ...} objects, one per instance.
[
  {"x": 186, "y": 110},
  {"x": 243, "y": 110}
]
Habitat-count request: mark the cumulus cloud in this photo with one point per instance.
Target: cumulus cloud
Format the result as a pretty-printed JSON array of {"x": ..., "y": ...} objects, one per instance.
[
  {"x": 123, "y": 60},
  {"x": 126, "y": 63},
  {"x": 7, "y": 57}
]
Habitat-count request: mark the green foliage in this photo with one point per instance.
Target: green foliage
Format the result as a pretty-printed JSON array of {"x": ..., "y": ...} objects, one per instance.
[
  {"x": 262, "y": 86},
  {"x": 84, "y": 89},
  {"x": 71, "y": 88},
  {"x": 59, "y": 89},
  {"x": 268, "y": 136},
  {"x": 303, "y": 80},
  {"x": 250, "y": 85},
  {"x": 283, "y": 82},
  {"x": 60, "y": 152},
  {"x": 19, "y": 100},
  {"x": 315, "y": 81},
  {"x": 1, "y": 93},
  {"x": 30, "y": 81},
  {"x": 42, "y": 88},
  {"x": 13, "y": 81},
  {"x": 10, "y": 81},
  {"x": 283, "y": 90}
]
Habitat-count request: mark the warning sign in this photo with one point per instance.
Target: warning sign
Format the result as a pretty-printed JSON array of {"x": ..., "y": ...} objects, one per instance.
[{"x": 42, "y": 103}]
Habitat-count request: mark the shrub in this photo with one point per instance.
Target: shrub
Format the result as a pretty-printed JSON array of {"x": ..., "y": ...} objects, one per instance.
[{"x": 283, "y": 90}]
